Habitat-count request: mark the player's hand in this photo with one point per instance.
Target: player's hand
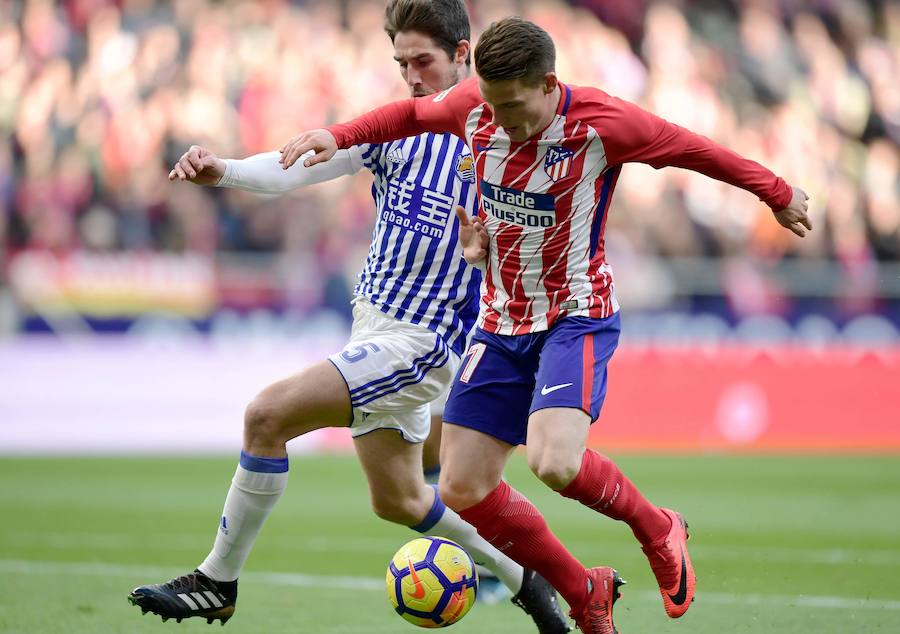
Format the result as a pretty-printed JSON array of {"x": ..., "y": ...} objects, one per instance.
[
  {"x": 321, "y": 141},
  {"x": 794, "y": 216},
  {"x": 198, "y": 165},
  {"x": 473, "y": 237}
]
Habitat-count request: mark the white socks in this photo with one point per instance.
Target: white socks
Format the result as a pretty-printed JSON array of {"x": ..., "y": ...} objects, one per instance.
[
  {"x": 255, "y": 488},
  {"x": 258, "y": 484},
  {"x": 444, "y": 522}
]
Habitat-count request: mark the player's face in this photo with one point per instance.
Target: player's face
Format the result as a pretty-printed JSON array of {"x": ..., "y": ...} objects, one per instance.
[
  {"x": 522, "y": 110},
  {"x": 425, "y": 66}
]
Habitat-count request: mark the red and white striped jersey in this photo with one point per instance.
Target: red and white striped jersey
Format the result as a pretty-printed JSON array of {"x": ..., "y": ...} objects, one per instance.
[{"x": 544, "y": 201}]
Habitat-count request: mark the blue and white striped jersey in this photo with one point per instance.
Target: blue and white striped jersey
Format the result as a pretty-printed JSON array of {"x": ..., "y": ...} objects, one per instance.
[{"x": 415, "y": 270}]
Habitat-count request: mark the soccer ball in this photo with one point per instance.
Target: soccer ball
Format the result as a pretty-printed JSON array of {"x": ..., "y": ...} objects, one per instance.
[{"x": 432, "y": 582}]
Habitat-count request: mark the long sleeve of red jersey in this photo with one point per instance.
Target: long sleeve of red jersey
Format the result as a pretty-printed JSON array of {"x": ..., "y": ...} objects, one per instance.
[
  {"x": 631, "y": 134},
  {"x": 443, "y": 112}
]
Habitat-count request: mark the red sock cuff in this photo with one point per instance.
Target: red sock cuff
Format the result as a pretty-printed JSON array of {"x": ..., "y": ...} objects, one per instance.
[
  {"x": 588, "y": 483},
  {"x": 509, "y": 521},
  {"x": 600, "y": 485},
  {"x": 488, "y": 507}
]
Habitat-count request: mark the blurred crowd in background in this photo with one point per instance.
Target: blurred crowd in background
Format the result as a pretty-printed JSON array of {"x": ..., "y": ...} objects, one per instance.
[{"x": 99, "y": 98}]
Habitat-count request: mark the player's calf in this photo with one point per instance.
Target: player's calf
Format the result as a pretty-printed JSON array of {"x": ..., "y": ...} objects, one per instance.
[
  {"x": 190, "y": 595},
  {"x": 407, "y": 509}
]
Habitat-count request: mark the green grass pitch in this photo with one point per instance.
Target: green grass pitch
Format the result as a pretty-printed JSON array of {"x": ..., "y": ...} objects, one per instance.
[{"x": 780, "y": 544}]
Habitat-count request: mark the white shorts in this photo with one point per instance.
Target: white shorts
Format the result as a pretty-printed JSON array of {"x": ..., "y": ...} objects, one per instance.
[
  {"x": 393, "y": 370},
  {"x": 437, "y": 405}
]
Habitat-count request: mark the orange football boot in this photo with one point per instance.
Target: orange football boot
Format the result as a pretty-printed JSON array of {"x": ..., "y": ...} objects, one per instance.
[
  {"x": 596, "y": 617},
  {"x": 671, "y": 564}
]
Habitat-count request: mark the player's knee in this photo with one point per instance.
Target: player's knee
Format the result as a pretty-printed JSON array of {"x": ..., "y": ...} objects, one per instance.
[
  {"x": 553, "y": 469},
  {"x": 262, "y": 420},
  {"x": 404, "y": 510},
  {"x": 457, "y": 494}
]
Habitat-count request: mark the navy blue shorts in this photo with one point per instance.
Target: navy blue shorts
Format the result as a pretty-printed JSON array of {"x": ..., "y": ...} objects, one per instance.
[{"x": 503, "y": 378}]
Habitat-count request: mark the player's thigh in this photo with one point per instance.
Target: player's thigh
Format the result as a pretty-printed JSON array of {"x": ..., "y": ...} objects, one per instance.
[
  {"x": 472, "y": 464},
  {"x": 569, "y": 391},
  {"x": 315, "y": 397},
  {"x": 393, "y": 468},
  {"x": 556, "y": 440}
]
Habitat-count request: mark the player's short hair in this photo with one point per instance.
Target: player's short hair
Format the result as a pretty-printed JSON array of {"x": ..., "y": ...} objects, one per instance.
[
  {"x": 444, "y": 21},
  {"x": 514, "y": 48}
]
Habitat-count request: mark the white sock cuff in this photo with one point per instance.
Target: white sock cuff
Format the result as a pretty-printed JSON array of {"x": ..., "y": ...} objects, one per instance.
[{"x": 260, "y": 483}]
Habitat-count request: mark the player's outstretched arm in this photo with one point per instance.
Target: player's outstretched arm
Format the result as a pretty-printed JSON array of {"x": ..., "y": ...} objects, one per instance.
[
  {"x": 263, "y": 173},
  {"x": 633, "y": 134},
  {"x": 473, "y": 238},
  {"x": 199, "y": 166},
  {"x": 795, "y": 216},
  {"x": 260, "y": 173}
]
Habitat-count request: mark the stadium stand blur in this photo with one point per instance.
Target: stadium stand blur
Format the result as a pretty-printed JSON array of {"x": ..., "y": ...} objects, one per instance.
[{"x": 98, "y": 99}]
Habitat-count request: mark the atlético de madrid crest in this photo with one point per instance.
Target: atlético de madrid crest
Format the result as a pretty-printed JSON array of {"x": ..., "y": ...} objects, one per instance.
[{"x": 558, "y": 162}]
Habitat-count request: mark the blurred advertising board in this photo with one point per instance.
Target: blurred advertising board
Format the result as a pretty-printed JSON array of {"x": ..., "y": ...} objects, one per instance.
[
  {"x": 186, "y": 394},
  {"x": 744, "y": 398},
  {"x": 120, "y": 284}
]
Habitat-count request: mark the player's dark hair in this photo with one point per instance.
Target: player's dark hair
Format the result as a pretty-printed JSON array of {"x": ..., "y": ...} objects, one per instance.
[
  {"x": 514, "y": 48},
  {"x": 444, "y": 21}
]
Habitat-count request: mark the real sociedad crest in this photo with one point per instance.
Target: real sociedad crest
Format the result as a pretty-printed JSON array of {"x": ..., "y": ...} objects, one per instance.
[
  {"x": 558, "y": 162},
  {"x": 465, "y": 168}
]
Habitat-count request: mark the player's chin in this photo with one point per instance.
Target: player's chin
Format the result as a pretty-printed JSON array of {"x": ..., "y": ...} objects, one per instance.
[{"x": 515, "y": 134}]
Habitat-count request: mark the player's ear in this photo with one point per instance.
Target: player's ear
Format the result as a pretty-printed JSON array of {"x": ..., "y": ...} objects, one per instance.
[
  {"x": 463, "y": 49},
  {"x": 550, "y": 82}
]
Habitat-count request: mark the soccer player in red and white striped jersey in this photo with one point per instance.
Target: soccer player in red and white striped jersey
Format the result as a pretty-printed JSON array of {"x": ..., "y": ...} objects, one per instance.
[{"x": 547, "y": 157}]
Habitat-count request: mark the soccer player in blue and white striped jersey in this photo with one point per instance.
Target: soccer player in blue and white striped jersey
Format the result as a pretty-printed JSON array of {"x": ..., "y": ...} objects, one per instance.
[{"x": 414, "y": 304}]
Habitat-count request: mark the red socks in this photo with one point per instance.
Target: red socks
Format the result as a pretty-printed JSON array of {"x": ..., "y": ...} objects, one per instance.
[
  {"x": 601, "y": 486},
  {"x": 511, "y": 523}
]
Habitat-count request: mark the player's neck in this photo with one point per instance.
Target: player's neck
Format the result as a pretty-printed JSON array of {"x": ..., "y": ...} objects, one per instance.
[{"x": 550, "y": 114}]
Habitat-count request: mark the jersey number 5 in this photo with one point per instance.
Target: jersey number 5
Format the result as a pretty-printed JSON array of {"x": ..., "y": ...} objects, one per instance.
[{"x": 358, "y": 354}]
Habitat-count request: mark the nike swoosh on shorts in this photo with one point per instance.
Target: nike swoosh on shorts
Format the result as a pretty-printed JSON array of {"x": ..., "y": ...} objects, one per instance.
[{"x": 546, "y": 390}]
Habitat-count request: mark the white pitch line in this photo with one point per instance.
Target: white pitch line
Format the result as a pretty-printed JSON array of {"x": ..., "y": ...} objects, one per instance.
[
  {"x": 157, "y": 573},
  {"x": 123, "y": 541}
]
